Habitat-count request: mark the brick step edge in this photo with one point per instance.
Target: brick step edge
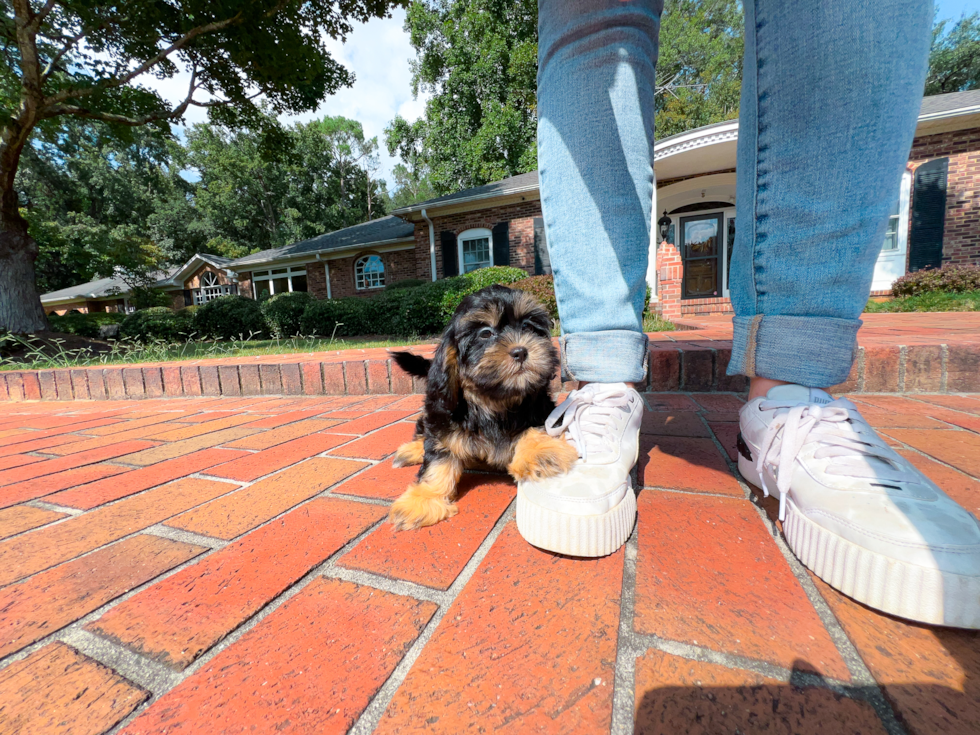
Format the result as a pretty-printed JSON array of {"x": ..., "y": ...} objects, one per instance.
[{"x": 672, "y": 367}]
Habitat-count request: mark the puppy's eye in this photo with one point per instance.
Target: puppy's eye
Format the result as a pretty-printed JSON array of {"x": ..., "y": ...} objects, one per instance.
[{"x": 485, "y": 333}]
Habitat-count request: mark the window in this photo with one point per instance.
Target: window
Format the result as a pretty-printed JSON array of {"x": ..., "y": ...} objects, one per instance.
[
  {"x": 369, "y": 272},
  {"x": 475, "y": 250},
  {"x": 211, "y": 289},
  {"x": 279, "y": 280},
  {"x": 891, "y": 231}
]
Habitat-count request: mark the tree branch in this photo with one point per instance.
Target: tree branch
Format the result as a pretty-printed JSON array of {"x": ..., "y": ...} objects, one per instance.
[
  {"x": 69, "y": 45},
  {"x": 39, "y": 17},
  {"x": 219, "y": 103},
  {"x": 68, "y": 94}
]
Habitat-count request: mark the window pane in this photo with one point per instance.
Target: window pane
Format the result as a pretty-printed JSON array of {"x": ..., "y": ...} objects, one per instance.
[
  {"x": 257, "y": 274},
  {"x": 299, "y": 283},
  {"x": 280, "y": 285},
  {"x": 891, "y": 234},
  {"x": 476, "y": 254},
  {"x": 279, "y": 270},
  {"x": 701, "y": 238}
]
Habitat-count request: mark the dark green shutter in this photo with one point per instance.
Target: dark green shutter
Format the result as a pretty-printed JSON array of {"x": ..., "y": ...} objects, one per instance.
[
  {"x": 542, "y": 260},
  {"x": 188, "y": 297},
  {"x": 450, "y": 263},
  {"x": 501, "y": 244},
  {"x": 928, "y": 215}
]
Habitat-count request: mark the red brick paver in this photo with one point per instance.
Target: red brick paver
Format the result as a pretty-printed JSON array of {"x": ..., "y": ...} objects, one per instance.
[{"x": 263, "y": 519}]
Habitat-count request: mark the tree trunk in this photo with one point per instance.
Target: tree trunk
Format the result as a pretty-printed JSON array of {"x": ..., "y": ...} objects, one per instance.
[{"x": 20, "y": 306}]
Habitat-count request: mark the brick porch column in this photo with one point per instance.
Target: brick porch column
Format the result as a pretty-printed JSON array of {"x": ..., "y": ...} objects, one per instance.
[{"x": 670, "y": 270}]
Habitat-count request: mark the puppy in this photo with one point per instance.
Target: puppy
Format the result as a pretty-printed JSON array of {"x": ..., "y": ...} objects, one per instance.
[{"x": 486, "y": 400}]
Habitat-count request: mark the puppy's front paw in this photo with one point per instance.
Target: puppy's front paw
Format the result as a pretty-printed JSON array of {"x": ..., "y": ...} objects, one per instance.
[
  {"x": 409, "y": 453},
  {"x": 538, "y": 456},
  {"x": 419, "y": 506}
]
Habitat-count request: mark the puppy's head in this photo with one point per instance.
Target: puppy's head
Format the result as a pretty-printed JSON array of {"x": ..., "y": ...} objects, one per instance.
[{"x": 499, "y": 343}]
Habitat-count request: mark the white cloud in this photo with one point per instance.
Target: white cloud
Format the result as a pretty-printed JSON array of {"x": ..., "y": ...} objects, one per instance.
[{"x": 378, "y": 53}]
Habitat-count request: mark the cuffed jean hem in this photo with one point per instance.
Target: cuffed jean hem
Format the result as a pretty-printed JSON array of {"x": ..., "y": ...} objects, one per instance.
[
  {"x": 813, "y": 351},
  {"x": 613, "y": 356}
]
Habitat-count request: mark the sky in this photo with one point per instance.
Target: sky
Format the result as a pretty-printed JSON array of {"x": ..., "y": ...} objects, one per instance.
[{"x": 378, "y": 52}]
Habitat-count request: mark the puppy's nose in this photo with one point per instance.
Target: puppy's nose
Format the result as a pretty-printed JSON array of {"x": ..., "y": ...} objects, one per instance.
[{"x": 519, "y": 353}]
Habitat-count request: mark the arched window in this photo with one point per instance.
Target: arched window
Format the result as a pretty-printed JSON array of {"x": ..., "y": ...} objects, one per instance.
[
  {"x": 369, "y": 272},
  {"x": 475, "y": 249},
  {"x": 211, "y": 288}
]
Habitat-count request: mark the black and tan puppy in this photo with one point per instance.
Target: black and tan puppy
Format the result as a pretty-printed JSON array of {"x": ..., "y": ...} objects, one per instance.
[{"x": 486, "y": 400}]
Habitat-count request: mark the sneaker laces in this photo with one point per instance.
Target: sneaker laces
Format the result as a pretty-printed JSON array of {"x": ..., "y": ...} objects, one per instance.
[
  {"x": 589, "y": 417},
  {"x": 842, "y": 434}
]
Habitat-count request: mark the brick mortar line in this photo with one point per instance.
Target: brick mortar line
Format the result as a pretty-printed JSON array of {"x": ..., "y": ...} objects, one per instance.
[
  {"x": 624, "y": 681},
  {"x": 185, "y": 537},
  {"x": 369, "y": 718},
  {"x": 45, "y": 505},
  {"x": 150, "y": 675}
]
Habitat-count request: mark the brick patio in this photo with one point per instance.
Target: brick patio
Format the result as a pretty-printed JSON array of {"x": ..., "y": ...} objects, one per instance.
[{"x": 219, "y": 565}]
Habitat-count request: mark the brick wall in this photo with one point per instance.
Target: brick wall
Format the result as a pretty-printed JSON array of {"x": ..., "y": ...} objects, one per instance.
[
  {"x": 520, "y": 216},
  {"x": 670, "y": 272},
  {"x": 961, "y": 239}
]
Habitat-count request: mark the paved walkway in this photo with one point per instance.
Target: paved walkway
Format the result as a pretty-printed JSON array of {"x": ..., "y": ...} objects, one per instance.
[{"x": 222, "y": 565}]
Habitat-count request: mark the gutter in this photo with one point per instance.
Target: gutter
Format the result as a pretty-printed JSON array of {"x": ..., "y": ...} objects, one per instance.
[
  {"x": 465, "y": 200},
  {"x": 432, "y": 243}
]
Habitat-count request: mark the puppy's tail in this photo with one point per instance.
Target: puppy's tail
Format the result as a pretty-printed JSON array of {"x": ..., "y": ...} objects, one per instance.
[{"x": 412, "y": 364}]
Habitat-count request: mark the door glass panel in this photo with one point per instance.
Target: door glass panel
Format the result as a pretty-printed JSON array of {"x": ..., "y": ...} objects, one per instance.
[{"x": 701, "y": 238}]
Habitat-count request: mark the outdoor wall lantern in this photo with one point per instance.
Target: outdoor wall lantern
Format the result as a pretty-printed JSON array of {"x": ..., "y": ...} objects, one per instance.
[{"x": 664, "y": 224}]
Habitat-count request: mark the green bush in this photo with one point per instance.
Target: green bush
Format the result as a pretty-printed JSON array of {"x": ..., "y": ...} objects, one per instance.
[
  {"x": 156, "y": 323},
  {"x": 83, "y": 325},
  {"x": 283, "y": 313},
  {"x": 230, "y": 317},
  {"x": 948, "y": 279},
  {"x": 407, "y": 283},
  {"x": 406, "y": 312},
  {"x": 543, "y": 289}
]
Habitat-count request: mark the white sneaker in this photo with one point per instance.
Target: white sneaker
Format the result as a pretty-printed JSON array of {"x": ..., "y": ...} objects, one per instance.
[
  {"x": 591, "y": 510},
  {"x": 857, "y": 513}
]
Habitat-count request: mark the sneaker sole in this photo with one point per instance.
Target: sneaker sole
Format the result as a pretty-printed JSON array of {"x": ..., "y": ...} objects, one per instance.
[
  {"x": 591, "y": 536},
  {"x": 892, "y": 586}
]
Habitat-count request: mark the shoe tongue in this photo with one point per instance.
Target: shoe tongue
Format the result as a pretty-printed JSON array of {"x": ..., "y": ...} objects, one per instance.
[{"x": 799, "y": 394}]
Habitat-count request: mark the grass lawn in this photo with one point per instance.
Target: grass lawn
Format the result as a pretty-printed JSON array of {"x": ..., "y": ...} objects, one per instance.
[{"x": 935, "y": 301}]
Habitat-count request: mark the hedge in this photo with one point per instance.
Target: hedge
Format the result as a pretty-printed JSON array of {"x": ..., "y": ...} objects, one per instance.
[
  {"x": 157, "y": 323},
  {"x": 283, "y": 312},
  {"x": 230, "y": 317},
  {"x": 405, "y": 312},
  {"x": 948, "y": 279},
  {"x": 542, "y": 288},
  {"x": 83, "y": 325}
]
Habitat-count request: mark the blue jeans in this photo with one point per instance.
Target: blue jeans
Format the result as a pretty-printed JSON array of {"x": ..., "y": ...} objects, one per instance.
[{"x": 830, "y": 95}]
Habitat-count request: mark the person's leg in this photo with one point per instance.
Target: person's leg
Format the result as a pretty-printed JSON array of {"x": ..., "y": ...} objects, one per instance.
[
  {"x": 596, "y": 61},
  {"x": 831, "y": 92},
  {"x": 830, "y": 95},
  {"x": 596, "y": 83}
]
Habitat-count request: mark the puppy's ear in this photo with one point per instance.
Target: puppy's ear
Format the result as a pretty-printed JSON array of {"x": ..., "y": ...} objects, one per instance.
[{"x": 443, "y": 380}]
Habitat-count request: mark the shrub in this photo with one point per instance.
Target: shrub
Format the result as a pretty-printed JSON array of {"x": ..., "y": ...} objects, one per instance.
[
  {"x": 229, "y": 317},
  {"x": 283, "y": 313},
  {"x": 543, "y": 289},
  {"x": 948, "y": 279},
  {"x": 156, "y": 323},
  {"x": 83, "y": 325},
  {"x": 406, "y": 312},
  {"x": 407, "y": 283}
]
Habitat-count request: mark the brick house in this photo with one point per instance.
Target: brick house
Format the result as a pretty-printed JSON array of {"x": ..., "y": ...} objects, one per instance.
[
  {"x": 200, "y": 279},
  {"x": 936, "y": 220}
]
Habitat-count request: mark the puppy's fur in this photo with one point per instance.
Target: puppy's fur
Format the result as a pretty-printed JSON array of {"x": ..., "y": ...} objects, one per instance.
[{"x": 486, "y": 399}]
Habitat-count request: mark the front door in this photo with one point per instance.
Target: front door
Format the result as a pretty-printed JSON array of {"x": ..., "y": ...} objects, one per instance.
[{"x": 701, "y": 238}]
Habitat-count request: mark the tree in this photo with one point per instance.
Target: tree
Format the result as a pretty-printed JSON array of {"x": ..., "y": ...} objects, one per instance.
[
  {"x": 954, "y": 60},
  {"x": 75, "y": 58},
  {"x": 699, "y": 72},
  {"x": 410, "y": 187},
  {"x": 478, "y": 59}
]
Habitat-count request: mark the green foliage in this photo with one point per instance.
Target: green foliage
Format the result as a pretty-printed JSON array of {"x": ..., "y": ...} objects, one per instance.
[
  {"x": 229, "y": 317},
  {"x": 283, "y": 313},
  {"x": 478, "y": 61},
  {"x": 406, "y": 283},
  {"x": 156, "y": 323},
  {"x": 543, "y": 289},
  {"x": 83, "y": 325},
  {"x": 409, "y": 312},
  {"x": 929, "y": 301},
  {"x": 699, "y": 72},
  {"x": 954, "y": 60},
  {"x": 948, "y": 279}
]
